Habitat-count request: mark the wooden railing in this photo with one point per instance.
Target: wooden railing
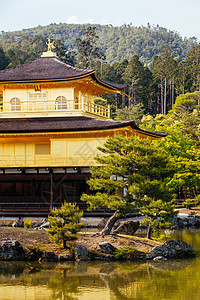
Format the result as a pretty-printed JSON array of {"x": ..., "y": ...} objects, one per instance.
[
  {"x": 46, "y": 161},
  {"x": 27, "y": 209},
  {"x": 53, "y": 105}
]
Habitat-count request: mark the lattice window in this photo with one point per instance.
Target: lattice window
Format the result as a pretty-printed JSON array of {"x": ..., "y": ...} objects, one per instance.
[
  {"x": 61, "y": 102},
  {"x": 15, "y": 104},
  {"x": 37, "y": 96}
]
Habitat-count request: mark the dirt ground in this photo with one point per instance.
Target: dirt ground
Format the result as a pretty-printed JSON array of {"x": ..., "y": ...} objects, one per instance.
[
  {"x": 32, "y": 237},
  {"x": 193, "y": 209}
]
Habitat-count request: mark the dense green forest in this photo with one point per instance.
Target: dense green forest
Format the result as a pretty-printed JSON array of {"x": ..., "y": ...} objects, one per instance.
[
  {"x": 156, "y": 64},
  {"x": 117, "y": 43},
  {"x": 153, "y": 173}
]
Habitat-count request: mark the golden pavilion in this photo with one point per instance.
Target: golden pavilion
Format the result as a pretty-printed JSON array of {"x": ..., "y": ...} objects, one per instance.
[{"x": 50, "y": 128}]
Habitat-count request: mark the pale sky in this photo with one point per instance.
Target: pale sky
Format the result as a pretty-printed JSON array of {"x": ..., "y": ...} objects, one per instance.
[{"x": 181, "y": 16}]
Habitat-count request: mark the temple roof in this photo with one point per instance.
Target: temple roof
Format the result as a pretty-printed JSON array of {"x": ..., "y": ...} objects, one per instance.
[
  {"x": 50, "y": 69},
  {"x": 67, "y": 124}
]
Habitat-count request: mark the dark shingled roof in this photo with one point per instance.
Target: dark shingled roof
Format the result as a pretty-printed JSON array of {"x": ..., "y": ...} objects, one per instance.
[
  {"x": 49, "y": 69},
  {"x": 66, "y": 124},
  {"x": 44, "y": 68}
]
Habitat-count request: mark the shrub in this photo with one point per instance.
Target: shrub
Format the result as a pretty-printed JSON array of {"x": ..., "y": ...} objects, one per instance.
[
  {"x": 192, "y": 214},
  {"x": 28, "y": 223},
  {"x": 197, "y": 200},
  {"x": 188, "y": 203},
  {"x": 33, "y": 253},
  {"x": 64, "y": 223}
]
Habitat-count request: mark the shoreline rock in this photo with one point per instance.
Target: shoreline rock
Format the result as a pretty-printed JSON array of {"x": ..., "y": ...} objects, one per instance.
[
  {"x": 81, "y": 253},
  {"x": 107, "y": 248},
  {"x": 171, "y": 249},
  {"x": 11, "y": 250},
  {"x": 49, "y": 256},
  {"x": 187, "y": 222}
]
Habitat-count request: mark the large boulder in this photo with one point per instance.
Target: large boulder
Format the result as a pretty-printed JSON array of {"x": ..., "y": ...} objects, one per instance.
[
  {"x": 66, "y": 257},
  {"x": 171, "y": 249},
  {"x": 81, "y": 253},
  {"x": 18, "y": 223},
  {"x": 11, "y": 249},
  {"x": 194, "y": 222},
  {"x": 99, "y": 256},
  {"x": 107, "y": 248},
  {"x": 161, "y": 250},
  {"x": 128, "y": 228},
  {"x": 182, "y": 249},
  {"x": 49, "y": 256}
]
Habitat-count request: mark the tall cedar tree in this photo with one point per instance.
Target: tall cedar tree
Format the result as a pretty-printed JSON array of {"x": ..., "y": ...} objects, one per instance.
[
  {"x": 130, "y": 170},
  {"x": 87, "y": 48},
  {"x": 165, "y": 70},
  {"x": 192, "y": 69}
]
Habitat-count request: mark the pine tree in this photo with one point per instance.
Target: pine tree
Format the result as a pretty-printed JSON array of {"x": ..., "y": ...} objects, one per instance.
[
  {"x": 131, "y": 170},
  {"x": 132, "y": 112},
  {"x": 64, "y": 223},
  {"x": 156, "y": 212}
]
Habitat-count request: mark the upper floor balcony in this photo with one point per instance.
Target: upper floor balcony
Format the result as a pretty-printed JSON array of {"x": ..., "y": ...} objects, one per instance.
[{"x": 60, "y": 107}]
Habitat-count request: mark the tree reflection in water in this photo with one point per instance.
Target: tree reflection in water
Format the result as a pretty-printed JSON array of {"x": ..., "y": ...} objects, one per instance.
[{"x": 174, "y": 279}]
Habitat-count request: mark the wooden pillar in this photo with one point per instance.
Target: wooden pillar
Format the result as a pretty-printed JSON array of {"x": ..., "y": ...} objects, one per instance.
[
  {"x": 33, "y": 189},
  {"x": 23, "y": 189},
  {"x": 123, "y": 101},
  {"x": 51, "y": 190},
  {"x": 60, "y": 186}
]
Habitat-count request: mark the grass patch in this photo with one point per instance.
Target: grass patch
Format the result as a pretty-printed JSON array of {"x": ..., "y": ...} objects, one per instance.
[
  {"x": 127, "y": 252},
  {"x": 33, "y": 253}
]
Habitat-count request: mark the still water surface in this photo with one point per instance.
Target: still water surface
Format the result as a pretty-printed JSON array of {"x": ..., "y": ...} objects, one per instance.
[{"x": 174, "y": 279}]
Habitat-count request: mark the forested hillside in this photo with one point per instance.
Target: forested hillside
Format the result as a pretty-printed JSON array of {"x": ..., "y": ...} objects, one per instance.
[
  {"x": 155, "y": 64},
  {"x": 116, "y": 42}
]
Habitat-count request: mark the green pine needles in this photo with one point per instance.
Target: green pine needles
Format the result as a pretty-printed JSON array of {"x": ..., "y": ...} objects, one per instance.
[
  {"x": 64, "y": 223},
  {"x": 131, "y": 171}
]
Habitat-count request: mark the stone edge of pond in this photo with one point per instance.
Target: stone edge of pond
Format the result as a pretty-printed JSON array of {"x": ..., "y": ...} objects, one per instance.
[{"x": 12, "y": 250}]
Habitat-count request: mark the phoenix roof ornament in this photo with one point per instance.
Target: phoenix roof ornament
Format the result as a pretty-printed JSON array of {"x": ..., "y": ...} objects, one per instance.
[
  {"x": 49, "y": 52},
  {"x": 50, "y": 45}
]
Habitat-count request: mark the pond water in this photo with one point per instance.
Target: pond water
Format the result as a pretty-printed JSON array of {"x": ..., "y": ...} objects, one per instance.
[{"x": 173, "y": 279}]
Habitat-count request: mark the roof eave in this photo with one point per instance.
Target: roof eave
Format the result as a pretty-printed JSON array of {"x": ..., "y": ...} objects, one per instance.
[
  {"x": 98, "y": 80},
  {"x": 47, "y": 79}
]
